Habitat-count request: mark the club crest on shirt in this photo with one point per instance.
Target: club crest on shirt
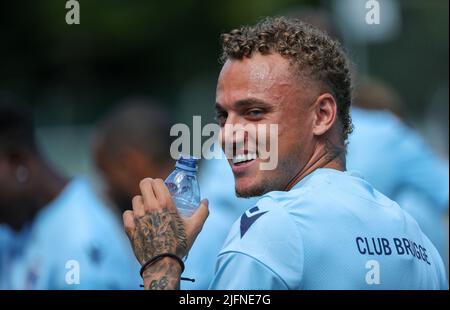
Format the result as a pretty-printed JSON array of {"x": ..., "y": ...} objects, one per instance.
[{"x": 250, "y": 217}]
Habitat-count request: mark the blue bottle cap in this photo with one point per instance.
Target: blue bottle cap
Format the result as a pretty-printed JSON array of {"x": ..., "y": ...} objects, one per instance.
[{"x": 187, "y": 163}]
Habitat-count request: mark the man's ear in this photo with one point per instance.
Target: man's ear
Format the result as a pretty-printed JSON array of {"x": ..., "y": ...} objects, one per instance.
[{"x": 325, "y": 114}]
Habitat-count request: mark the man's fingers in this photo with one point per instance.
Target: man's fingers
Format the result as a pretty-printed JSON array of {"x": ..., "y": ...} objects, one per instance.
[
  {"x": 162, "y": 193},
  {"x": 138, "y": 206},
  {"x": 146, "y": 186},
  {"x": 128, "y": 223}
]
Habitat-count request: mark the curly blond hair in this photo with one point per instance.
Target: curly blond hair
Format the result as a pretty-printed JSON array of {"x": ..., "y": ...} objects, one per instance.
[{"x": 313, "y": 53}]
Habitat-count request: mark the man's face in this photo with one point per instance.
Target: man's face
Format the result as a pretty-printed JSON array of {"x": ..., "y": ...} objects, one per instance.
[
  {"x": 264, "y": 90},
  {"x": 118, "y": 186},
  {"x": 123, "y": 171}
]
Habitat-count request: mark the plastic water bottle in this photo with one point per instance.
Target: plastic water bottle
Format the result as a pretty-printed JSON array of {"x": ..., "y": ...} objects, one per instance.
[{"x": 183, "y": 186}]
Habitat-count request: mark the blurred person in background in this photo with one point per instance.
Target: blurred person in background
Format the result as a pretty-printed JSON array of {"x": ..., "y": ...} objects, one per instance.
[
  {"x": 63, "y": 236},
  {"x": 395, "y": 159},
  {"x": 6, "y": 238},
  {"x": 131, "y": 143}
]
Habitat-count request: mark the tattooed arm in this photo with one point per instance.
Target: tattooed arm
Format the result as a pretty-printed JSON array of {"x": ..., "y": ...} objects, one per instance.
[
  {"x": 155, "y": 227},
  {"x": 163, "y": 275}
]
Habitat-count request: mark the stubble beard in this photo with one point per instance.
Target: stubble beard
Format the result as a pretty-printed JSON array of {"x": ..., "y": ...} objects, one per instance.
[{"x": 278, "y": 181}]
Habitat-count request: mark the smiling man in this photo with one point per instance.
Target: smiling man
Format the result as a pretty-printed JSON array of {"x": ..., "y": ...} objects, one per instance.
[{"x": 316, "y": 226}]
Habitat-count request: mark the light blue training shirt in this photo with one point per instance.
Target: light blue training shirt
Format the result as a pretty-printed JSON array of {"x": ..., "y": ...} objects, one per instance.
[
  {"x": 332, "y": 230},
  {"x": 75, "y": 242},
  {"x": 399, "y": 163}
]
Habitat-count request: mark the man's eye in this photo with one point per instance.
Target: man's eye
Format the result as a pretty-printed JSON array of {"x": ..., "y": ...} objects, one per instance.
[
  {"x": 255, "y": 113},
  {"x": 221, "y": 118}
]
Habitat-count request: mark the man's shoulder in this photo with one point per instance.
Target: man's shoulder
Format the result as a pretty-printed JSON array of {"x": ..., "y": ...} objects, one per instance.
[
  {"x": 278, "y": 212},
  {"x": 318, "y": 203},
  {"x": 322, "y": 189},
  {"x": 264, "y": 230},
  {"x": 267, "y": 236}
]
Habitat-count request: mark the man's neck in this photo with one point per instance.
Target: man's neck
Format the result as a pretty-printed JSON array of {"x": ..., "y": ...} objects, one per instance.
[
  {"x": 49, "y": 184},
  {"x": 329, "y": 155}
]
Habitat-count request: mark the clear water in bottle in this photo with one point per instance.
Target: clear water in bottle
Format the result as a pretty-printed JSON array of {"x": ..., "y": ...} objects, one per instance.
[{"x": 183, "y": 186}]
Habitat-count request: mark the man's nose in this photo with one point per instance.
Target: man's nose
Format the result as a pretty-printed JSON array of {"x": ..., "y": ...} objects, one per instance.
[
  {"x": 229, "y": 132},
  {"x": 233, "y": 135}
]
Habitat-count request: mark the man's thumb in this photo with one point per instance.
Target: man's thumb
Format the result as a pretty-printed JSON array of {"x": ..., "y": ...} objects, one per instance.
[
  {"x": 201, "y": 214},
  {"x": 197, "y": 219}
]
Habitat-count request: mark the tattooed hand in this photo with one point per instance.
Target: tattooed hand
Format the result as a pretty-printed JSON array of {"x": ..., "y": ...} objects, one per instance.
[{"x": 155, "y": 227}]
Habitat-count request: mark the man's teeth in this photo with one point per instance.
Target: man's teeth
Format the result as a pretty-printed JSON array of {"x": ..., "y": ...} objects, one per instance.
[{"x": 243, "y": 157}]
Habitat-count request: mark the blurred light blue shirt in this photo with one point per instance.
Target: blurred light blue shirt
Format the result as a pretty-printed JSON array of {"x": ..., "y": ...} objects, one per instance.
[
  {"x": 333, "y": 230},
  {"x": 6, "y": 243},
  {"x": 216, "y": 184},
  {"x": 75, "y": 242},
  {"x": 397, "y": 162}
]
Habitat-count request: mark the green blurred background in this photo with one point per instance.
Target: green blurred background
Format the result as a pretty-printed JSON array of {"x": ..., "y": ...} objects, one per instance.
[{"x": 72, "y": 74}]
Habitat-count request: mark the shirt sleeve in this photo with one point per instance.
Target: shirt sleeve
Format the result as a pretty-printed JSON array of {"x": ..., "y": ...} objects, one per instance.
[{"x": 238, "y": 271}]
